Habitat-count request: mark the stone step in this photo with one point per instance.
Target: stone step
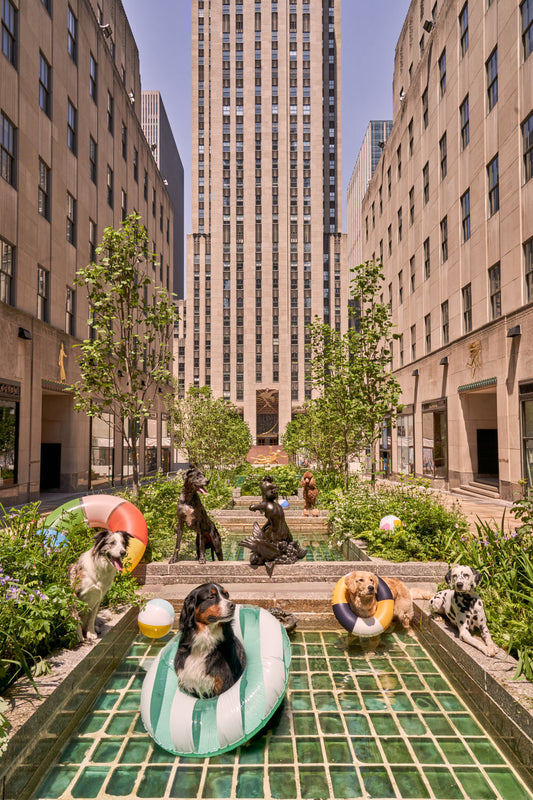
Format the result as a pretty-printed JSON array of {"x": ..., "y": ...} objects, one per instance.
[
  {"x": 306, "y": 574},
  {"x": 474, "y": 489}
]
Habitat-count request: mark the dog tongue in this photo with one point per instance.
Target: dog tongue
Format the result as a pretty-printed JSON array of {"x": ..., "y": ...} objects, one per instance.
[
  {"x": 201, "y": 490},
  {"x": 117, "y": 564}
]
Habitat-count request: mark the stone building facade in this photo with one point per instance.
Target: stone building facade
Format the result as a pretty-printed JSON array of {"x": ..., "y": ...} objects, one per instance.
[
  {"x": 450, "y": 213},
  {"x": 74, "y": 161}
]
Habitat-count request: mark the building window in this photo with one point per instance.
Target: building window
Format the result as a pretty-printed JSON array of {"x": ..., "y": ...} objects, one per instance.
[
  {"x": 69, "y": 311},
  {"x": 427, "y": 332},
  {"x": 467, "y": 307},
  {"x": 434, "y": 441},
  {"x": 526, "y": 18},
  {"x": 136, "y": 165},
  {"x": 400, "y": 287},
  {"x": 425, "y": 182},
  {"x": 493, "y": 177},
  {"x": 413, "y": 342},
  {"x": 495, "y": 294},
  {"x": 389, "y": 234},
  {"x": 42, "y": 294},
  {"x": 411, "y": 137},
  {"x": 411, "y": 205},
  {"x": 71, "y": 219},
  {"x": 427, "y": 263},
  {"x": 445, "y": 320},
  {"x": 399, "y": 160},
  {"x": 93, "y": 77},
  {"x": 443, "y": 157},
  {"x": 92, "y": 240},
  {"x": 9, "y": 15},
  {"x": 400, "y": 350},
  {"x": 528, "y": 269},
  {"x": 399, "y": 224},
  {"x": 412, "y": 274},
  {"x": 527, "y": 145},
  {"x": 389, "y": 182},
  {"x": 463, "y": 29},
  {"x": 145, "y": 186},
  {"x": 425, "y": 109},
  {"x": 442, "y": 73},
  {"x": 110, "y": 113},
  {"x": 123, "y": 205},
  {"x": 492, "y": 78},
  {"x": 124, "y": 137},
  {"x": 44, "y": 84},
  {"x": 93, "y": 155},
  {"x": 7, "y": 272},
  {"x": 7, "y": 150},
  {"x": 43, "y": 201},
  {"x": 71, "y": 127},
  {"x": 465, "y": 216},
  {"x": 444, "y": 239},
  {"x": 464, "y": 115},
  {"x": 72, "y": 35},
  {"x": 109, "y": 186}
]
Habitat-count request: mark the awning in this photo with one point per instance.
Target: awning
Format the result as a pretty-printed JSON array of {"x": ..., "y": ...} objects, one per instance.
[{"x": 471, "y": 387}]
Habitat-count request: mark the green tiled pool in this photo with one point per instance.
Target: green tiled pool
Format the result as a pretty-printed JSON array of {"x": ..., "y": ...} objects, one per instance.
[
  {"x": 317, "y": 545},
  {"x": 353, "y": 725}
]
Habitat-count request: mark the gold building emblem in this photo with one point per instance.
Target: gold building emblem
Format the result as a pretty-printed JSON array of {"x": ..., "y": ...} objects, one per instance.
[{"x": 474, "y": 362}]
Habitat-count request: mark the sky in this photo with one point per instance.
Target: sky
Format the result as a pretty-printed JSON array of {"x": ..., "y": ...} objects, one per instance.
[{"x": 369, "y": 34}]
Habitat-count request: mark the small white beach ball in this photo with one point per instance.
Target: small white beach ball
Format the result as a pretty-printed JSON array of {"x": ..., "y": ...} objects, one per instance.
[
  {"x": 156, "y": 618},
  {"x": 390, "y": 522}
]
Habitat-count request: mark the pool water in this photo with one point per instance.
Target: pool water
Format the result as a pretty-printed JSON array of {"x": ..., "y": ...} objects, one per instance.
[
  {"x": 317, "y": 545},
  {"x": 353, "y": 725}
]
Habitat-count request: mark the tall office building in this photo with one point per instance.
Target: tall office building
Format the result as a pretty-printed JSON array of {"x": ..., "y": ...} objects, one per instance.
[
  {"x": 160, "y": 138},
  {"x": 266, "y": 254},
  {"x": 452, "y": 200},
  {"x": 374, "y": 140}
]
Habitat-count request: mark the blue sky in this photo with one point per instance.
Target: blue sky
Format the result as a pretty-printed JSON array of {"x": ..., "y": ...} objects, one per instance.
[{"x": 369, "y": 34}]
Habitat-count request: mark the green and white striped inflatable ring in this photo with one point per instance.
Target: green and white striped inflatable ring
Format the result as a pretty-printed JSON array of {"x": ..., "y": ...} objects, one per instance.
[{"x": 187, "y": 726}]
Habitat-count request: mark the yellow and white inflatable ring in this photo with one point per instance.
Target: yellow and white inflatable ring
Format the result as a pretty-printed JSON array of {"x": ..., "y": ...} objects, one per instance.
[
  {"x": 187, "y": 726},
  {"x": 362, "y": 626}
]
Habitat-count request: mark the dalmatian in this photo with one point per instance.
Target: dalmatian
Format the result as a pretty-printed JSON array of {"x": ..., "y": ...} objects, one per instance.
[{"x": 462, "y": 606}]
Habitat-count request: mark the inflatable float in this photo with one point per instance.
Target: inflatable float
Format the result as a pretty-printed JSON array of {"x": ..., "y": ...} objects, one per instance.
[
  {"x": 361, "y": 626},
  {"x": 102, "y": 511},
  {"x": 187, "y": 726}
]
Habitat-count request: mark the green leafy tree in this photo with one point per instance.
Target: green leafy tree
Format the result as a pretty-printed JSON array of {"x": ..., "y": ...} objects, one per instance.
[
  {"x": 314, "y": 435},
  {"x": 209, "y": 430},
  {"x": 351, "y": 375},
  {"x": 129, "y": 352}
]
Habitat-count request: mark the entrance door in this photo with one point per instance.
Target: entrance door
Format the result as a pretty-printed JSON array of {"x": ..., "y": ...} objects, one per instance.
[
  {"x": 487, "y": 452},
  {"x": 50, "y": 466}
]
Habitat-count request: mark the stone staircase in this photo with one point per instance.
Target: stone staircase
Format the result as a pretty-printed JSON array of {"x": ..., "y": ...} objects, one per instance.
[
  {"x": 304, "y": 588},
  {"x": 478, "y": 489}
]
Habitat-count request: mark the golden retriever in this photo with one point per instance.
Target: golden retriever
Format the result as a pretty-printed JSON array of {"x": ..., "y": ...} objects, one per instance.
[{"x": 362, "y": 588}]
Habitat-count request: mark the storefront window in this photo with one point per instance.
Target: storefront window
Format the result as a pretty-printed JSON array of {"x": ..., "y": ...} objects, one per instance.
[
  {"x": 385, "y": 448},
  {"x": 102, "y": 448},
  {"x": 406, "y": 443},
  {"x": 165, "y": 446},
  {"x": 434, "y": 440},
  {"x": 8, "y": 442},
  {"x": 150, "y": 446}
]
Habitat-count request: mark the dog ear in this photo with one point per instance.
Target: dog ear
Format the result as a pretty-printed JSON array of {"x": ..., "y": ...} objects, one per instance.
[
  {"x": 448, "y": 577},
  {"x": 188, "y": 613},
  {"x": 476, "y": 575},
  {"x": 349, "y": 582},
  {"x": 99, "y": 537}
]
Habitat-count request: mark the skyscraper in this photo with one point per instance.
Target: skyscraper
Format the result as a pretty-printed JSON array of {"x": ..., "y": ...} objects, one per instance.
[
  {"x": 266, "y": 253},
  {"x": 159, "y": 136}
]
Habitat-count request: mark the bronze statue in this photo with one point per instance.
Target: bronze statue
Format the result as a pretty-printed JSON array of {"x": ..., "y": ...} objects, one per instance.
[{"x": 273, "y": 543}]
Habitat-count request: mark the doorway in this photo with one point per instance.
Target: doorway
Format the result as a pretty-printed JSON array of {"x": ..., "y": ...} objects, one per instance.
[
  {"x": 487, "y": 453},
  {"x": 50, "y": 466}
]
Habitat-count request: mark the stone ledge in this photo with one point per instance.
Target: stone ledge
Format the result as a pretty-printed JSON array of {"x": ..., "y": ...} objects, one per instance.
[{"x": 504, "y": 704}]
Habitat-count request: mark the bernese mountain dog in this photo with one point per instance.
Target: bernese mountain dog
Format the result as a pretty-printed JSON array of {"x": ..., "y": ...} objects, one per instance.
[{"x": 209, "y": 658}]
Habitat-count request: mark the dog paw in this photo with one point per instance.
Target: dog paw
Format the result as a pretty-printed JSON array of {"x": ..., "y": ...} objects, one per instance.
[
  {"x": 173, "y": 559},
  {"x": 91, "y": 636},
  {"x": 491, "y": 650},
  {"x": 315, "y": 512}
]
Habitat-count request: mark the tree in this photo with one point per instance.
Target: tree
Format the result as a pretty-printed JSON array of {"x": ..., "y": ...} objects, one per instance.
[
  {"x": 129, "y": 351},
  {"x": 351, "y": 374},
  {"x": 209, "y": 430}
]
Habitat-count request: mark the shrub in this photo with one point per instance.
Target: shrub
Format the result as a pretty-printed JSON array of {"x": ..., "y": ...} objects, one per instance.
[
  {"x": 286, "y": 477},
  {"x": 427, "y": 523},
  {"x": 36, "y": 600}
]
